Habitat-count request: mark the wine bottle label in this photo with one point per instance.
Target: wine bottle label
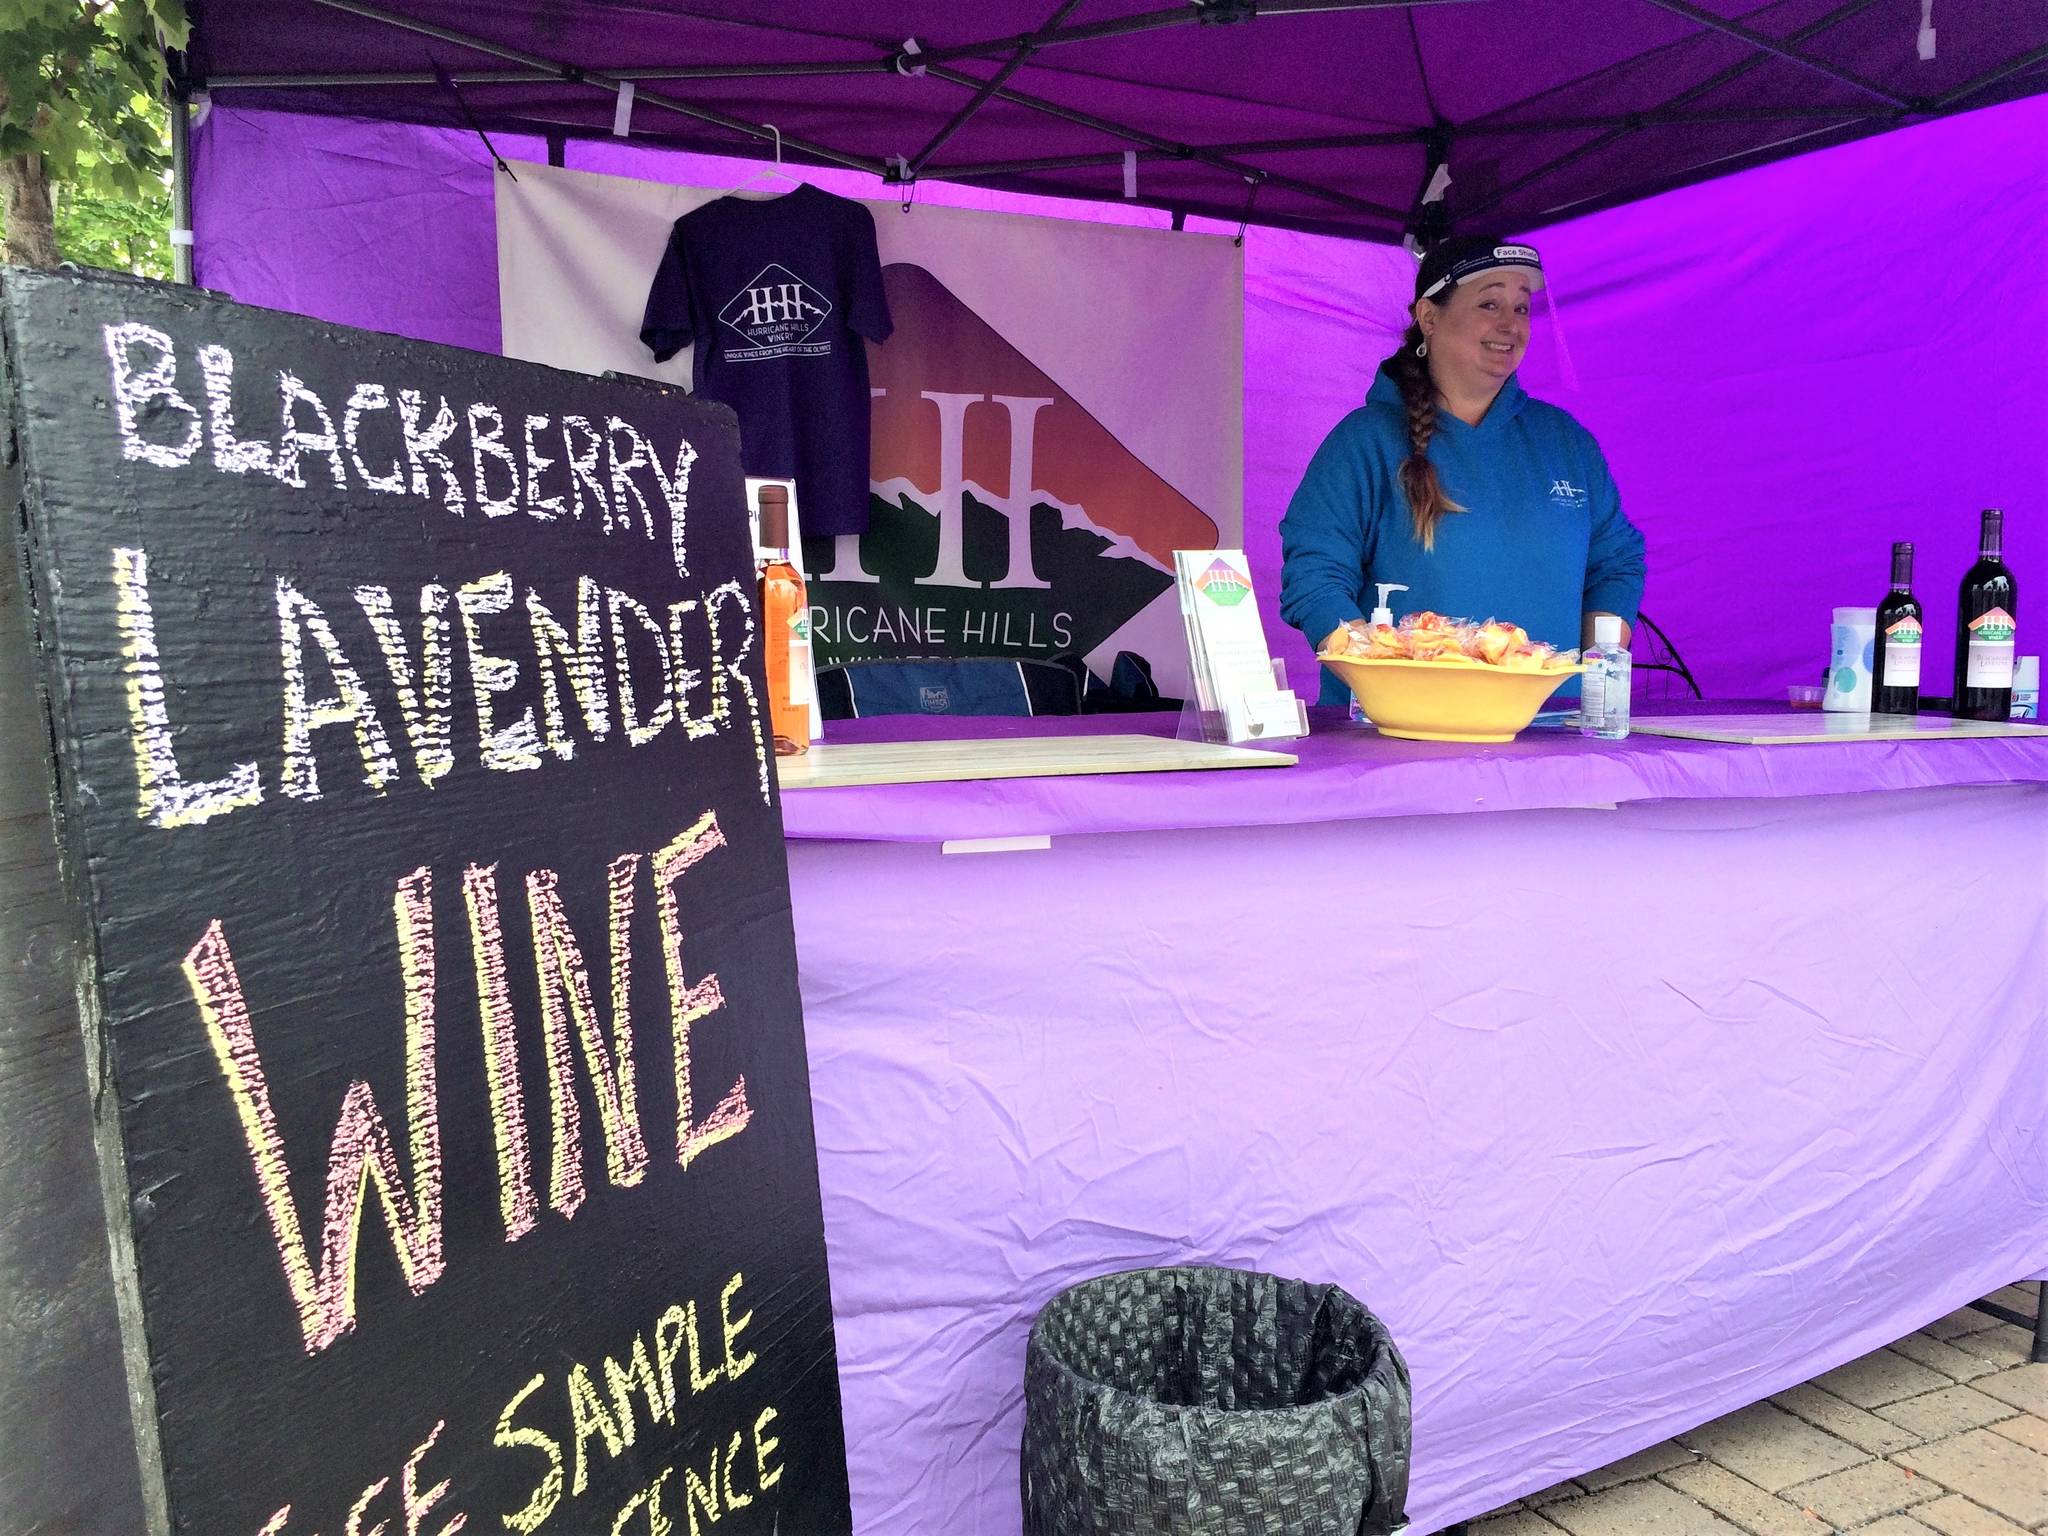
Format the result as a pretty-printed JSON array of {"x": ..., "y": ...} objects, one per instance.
[
  {"x": 800, "y": 658},
  {"x": 1902, "y": 653},
  {"x": 1991, "y": 650}
]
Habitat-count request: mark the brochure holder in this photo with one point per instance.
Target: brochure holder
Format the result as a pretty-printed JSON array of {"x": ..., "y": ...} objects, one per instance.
[{"x": 1240, "y": 695}]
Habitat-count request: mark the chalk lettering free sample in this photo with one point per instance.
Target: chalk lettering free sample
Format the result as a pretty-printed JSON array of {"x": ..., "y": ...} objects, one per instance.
[{"x": 430, "y": 908}]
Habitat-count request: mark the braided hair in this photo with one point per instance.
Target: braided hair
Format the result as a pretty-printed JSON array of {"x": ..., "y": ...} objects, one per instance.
[{"x": 1427, "y": 501}]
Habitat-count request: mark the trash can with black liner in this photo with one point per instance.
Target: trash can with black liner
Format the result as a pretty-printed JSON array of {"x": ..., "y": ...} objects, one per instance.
[{"x": 1213, "y": 1402}]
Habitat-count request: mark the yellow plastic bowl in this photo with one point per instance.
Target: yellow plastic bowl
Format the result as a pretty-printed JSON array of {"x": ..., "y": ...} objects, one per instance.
[{"x": 1446, "y": 701}]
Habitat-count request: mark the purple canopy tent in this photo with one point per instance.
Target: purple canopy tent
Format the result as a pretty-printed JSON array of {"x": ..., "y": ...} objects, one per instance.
[
  {"x": 1542, "y": 112},
  {"x": 1769, "y": 472},
  {"x": 1325, "y": 115}
]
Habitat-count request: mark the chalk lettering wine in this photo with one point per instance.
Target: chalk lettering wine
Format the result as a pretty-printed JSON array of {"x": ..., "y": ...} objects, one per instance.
[
  {"x": 1987, "y": 614},
  {"x": 1895, "y": 669}
]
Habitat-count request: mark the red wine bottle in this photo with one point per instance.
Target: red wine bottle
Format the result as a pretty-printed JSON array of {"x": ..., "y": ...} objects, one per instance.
[
  {"x": 1895, "y": 669},
  {"x": 1987, "y": 617}
]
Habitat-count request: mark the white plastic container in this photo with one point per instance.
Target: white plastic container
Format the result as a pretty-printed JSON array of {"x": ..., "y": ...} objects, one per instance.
[
  {"x": 1605, "y": 685},
  {"x": 1851, "y": 655},
  {"x": 1382, "y": 614},
  {"x": 2026, "y": 688}
]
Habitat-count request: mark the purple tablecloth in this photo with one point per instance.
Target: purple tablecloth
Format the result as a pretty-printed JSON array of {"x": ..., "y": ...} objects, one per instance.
[
  {"x": 1620, "y": 1118},
  {"x": 1347, "y": 773}
]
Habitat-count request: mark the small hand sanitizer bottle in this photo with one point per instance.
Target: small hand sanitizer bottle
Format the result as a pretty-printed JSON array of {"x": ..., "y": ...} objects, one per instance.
[
  {"x": 1604, "y": 686},
  {"x": 1383, "y": 614}
]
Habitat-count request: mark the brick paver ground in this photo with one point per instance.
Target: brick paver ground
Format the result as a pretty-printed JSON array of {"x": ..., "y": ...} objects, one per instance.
[{"x": 1941, "y": 1434}]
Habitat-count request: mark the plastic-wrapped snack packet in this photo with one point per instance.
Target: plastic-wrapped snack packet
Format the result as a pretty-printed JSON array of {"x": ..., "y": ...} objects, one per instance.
[
  {"x": 1431, "y": 636},
  {"x": 1493, "y": 642},
  {"x": 1384, "y": 642}
]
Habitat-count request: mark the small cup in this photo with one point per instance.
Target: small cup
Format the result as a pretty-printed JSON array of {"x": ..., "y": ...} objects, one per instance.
[
  {"x": 2026, "y": 688},
  {"x": 1852, "y": 654}
]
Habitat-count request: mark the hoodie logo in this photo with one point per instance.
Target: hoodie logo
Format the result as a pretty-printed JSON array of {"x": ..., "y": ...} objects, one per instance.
[{"x": 1566, "y": 496}]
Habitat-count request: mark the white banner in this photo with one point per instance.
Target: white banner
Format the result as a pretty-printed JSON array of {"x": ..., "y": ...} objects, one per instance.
[{"x": 1059, "y": 408}]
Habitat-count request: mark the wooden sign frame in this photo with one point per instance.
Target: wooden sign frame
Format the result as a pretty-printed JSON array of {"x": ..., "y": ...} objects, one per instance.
[{"x": 394, "y": 899}]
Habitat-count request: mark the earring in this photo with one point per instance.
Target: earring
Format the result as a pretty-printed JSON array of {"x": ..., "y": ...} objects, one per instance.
[{"x": 1422, "y": 347}]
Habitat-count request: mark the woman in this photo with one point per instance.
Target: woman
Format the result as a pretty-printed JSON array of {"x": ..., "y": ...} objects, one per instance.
[{"x": 1450, "y": 480}]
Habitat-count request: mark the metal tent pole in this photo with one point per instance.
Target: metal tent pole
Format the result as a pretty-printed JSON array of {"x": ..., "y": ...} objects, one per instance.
[
  {"x": 995, "y": 83},
  {"x": 181, "y": 187},
  {"x": 1783, "y": 48},
  {"x": 978, "y": 170},
  {"x": 598, "y": 80},
  {"x": 1187, "y": 152},
  {"x": 1151, "y": 21},
  {"x": 2038, "y": 1323},
  {"x": 880, "y": 64},
  {"x": 1706, "y": 87},
  {"x": 1990, "y": 77}
]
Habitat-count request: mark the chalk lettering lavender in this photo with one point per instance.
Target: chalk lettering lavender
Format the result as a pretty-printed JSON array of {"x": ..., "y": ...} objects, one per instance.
[
  {"x": 414, "y": 854},
  {"x": 407, "y": 696}
]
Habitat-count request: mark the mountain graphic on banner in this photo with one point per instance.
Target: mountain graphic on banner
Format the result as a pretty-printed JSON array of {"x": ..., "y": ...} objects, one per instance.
[{"x": 1006, "y": 520}]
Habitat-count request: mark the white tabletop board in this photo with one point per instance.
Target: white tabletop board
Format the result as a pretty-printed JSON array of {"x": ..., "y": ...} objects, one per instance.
[
  {"x": 1008, "y": 757},
  {"x": 1807, "y": 726}
]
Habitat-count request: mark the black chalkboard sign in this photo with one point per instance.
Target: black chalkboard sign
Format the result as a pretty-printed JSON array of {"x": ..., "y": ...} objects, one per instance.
[{"x": 430, "y": 925}]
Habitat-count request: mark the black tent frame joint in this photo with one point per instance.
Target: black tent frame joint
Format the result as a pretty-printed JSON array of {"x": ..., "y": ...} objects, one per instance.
[
  {"x": 180, "y": 79},
  {"x": 901, "y": 171},
  {"x": 1430, "y": 222},
  {"x": 1224, "y": 13},
  {"x": 1253, "y": 180}
]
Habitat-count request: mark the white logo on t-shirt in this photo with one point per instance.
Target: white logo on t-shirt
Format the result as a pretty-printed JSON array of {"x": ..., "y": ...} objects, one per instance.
[{"x": 776, "y": 315}]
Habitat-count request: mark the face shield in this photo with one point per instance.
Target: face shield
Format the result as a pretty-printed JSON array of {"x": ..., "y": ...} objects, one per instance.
[{"x": 1464, "y": 258}]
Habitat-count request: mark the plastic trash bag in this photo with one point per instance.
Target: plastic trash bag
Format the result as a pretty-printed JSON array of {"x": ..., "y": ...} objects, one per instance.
[{"x": 1213, "y": 1402}]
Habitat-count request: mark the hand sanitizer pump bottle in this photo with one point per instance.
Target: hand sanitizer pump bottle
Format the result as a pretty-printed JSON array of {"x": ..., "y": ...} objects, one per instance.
[
  {"x": 1383, "y": 614},
  {"x": 1604, "y": 687}
]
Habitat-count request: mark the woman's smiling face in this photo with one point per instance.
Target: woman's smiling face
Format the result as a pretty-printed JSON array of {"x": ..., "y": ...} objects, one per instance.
[{"x": 1478, "y": 335}]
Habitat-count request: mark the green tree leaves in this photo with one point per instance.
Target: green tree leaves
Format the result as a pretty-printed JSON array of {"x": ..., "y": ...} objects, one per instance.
[{"x": 81, "y": 111}]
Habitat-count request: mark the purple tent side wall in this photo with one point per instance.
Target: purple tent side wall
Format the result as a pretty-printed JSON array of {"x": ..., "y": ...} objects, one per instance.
[{"x": 1788, "y": 368}]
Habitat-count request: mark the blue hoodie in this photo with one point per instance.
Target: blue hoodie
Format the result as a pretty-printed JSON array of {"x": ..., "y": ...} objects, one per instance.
[{"x": 1542, "y": 541}]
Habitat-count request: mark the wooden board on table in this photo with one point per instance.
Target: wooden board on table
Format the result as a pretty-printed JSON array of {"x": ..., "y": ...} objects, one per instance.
[
  {"x": 833, "y": 765},
  {"x": 1784, "y": 730}
]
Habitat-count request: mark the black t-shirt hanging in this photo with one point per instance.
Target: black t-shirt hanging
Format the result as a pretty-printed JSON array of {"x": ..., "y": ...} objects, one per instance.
[{"x": 777, "y": 295}]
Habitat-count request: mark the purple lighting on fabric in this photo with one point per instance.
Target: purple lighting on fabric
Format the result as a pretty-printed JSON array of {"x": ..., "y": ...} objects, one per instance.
[
  {"x": 1793, "y": 367},
  {"x": 1789, "y": 368},
  {"x": 1347, "y": 773},
  {"x": 378, "y": 225},
  {"x": 1605, "y": 1180},
  {"x": 1528, "y": 90}
]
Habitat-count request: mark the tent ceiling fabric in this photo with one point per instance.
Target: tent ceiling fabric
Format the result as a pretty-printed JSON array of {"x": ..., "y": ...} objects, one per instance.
[{"x": 1309, "y": 114}]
